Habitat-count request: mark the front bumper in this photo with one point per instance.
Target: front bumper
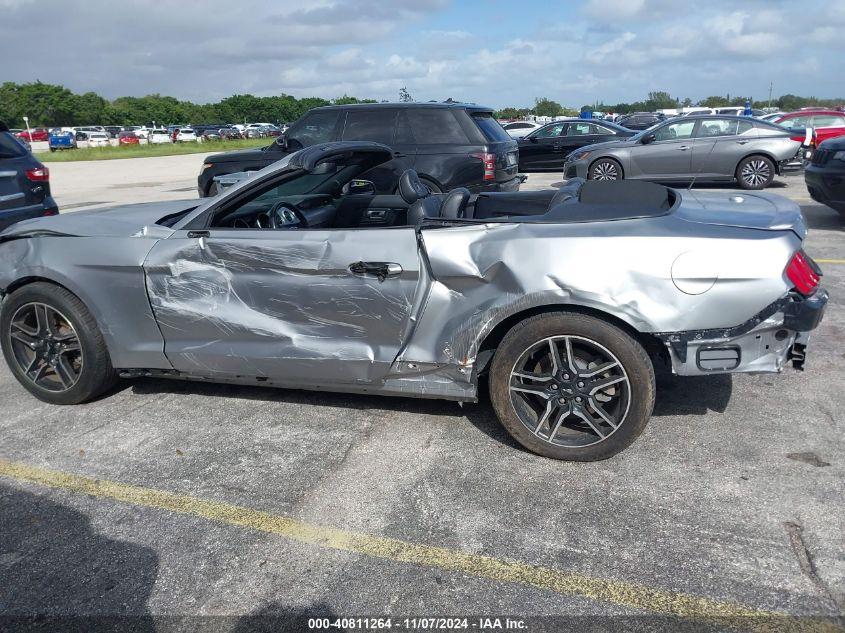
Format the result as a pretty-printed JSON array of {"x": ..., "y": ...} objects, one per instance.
[
  {"x": 575, "y": 169},
  {"x": 764, "y": 344},
  {"x": 826, "y": 186}
]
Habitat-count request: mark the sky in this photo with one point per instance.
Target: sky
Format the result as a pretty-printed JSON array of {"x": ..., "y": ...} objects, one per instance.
[{"x": 490, "y": 52}]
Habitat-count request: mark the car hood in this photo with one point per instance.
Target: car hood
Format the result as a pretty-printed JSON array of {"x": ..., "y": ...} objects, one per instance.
[
  {"x": 743, "y": 209},
  {"x": 136, "y": 220},
  {"x": 243, "y": 155}
]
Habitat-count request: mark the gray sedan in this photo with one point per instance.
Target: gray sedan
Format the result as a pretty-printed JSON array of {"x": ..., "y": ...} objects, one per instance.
[{"x": 711, "y": 148}]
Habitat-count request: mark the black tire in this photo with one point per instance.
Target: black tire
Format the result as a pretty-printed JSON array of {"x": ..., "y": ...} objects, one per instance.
[
  {"x": 52, "y": 149},
  {"x": 636, "y": 395},
  {"x": 605, "y": 169},
  {"x": 755, "y": 172},
  {"x": 96, "y": 374}
]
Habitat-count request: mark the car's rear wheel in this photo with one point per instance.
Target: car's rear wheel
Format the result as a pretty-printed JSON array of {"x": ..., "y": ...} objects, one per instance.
[
  {"x": 755, "y": 172},
  {"x": 571, "y": 386},
  {"x": 53, "y": 346},
  {"x": 605, "y": 169}
]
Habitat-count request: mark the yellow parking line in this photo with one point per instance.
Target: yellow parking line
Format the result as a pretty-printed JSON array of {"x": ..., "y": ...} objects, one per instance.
[
  {"x": 829, "y": 261},
  {"x": 637, "y": 596}
]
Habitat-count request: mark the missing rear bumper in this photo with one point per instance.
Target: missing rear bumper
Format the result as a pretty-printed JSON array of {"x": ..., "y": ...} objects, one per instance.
[{"x": 765, "y": 343}]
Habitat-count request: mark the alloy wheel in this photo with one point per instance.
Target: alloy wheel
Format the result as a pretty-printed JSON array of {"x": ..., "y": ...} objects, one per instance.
[
  {"x": 756, "y": 172},
  {"x": 46, "y": 347},
  {"x": 605, "y": 170},
  {"x": 570, "y": 391}
]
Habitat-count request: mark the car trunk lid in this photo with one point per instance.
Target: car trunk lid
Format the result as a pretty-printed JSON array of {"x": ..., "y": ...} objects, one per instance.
[{"x": 743, "y": 209}]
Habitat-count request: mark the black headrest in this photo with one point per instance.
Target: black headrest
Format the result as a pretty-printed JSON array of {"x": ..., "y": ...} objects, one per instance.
[
  {"x": 411, "y": 188},
  {"x": 455, "y": 204}
]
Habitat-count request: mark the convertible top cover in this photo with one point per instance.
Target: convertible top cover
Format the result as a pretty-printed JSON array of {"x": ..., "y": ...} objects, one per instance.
[{"x": 599, "y": 201}]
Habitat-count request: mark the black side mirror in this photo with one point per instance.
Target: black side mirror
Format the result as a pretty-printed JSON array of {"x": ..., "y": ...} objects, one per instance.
[
  {"x": 649, "y": 138},
  {"x": 282, "y": 142},
  {"x": 533, "y": 139},
  {"x": 360, "y": 188}
]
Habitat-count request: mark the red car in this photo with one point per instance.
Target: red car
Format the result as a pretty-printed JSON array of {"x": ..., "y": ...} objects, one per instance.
[
  {"x": 36, "y": 134},
  {"x": 823, "y": 123},
  {"x": 127, "y": 138}
]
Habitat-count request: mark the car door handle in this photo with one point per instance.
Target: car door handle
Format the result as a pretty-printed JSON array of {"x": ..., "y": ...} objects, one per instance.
[
  {"x": 684, "y": 148},
  {"x": 742, "y": 142},
  {"x": 381, "y": 270},
  {"x": 198, "y": 234}
]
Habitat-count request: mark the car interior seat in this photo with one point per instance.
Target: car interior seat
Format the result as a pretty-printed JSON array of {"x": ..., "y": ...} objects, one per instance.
[
  {"x": 421, "y": 204},
  {"x": 454, "y": 204}
]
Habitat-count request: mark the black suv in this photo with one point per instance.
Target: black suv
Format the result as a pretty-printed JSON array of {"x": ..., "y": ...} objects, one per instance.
[
  {"x": 24, "y": 183},
  {"x": 825, "y": 175},
  {"x": 448, "y": 144}
]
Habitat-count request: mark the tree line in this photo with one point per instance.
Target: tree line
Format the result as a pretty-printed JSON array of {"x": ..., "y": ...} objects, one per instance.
[
  {"x": 50, "y": 104},
  {"x": 659, "y": 100}
]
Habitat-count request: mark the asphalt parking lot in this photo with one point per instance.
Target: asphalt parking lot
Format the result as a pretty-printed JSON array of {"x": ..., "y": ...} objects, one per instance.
[{"x": 192, "y": 506}]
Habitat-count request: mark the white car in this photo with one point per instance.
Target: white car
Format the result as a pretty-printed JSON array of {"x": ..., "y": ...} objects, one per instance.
[
  {"x": 186, "y": 135},
  {"x": 518, "y": 129},
  {"x": 98, "y": 139},
  {"x": 158, "y": 137},
  {"x": 772, "y": 117}
]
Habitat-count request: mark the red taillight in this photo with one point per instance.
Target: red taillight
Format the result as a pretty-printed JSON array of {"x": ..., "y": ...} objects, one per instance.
[
  {"x": 49, "y": 212},
  {"x": 489, "y": 161},
  {"x": 39, "y": 174},
  {"x": 803, "y": 273}
]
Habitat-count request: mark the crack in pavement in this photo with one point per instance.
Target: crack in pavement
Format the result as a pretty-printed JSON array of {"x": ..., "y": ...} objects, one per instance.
[{"x": 805, "y": 560}]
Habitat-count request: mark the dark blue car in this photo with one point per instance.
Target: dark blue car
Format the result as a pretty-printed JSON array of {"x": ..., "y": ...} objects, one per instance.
[{"x": 24, "y": 183}]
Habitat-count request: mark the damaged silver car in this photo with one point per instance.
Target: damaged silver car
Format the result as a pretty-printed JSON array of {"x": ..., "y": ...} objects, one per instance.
[{"x": 302, "y": 277}]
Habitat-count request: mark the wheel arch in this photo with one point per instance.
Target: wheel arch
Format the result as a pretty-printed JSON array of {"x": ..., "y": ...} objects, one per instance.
[
  {"x": 488, "y": 345},
  {"x": 762, "y": 153}
]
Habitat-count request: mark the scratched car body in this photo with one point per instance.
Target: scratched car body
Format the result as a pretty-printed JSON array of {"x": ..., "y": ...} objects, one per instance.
[{"x": 302, "y": 277}]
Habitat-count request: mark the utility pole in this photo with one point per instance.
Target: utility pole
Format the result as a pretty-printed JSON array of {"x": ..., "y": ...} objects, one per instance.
[{"x": 770, "y": 94}]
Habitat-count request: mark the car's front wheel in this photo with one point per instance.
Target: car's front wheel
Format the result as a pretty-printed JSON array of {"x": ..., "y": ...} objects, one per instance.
[
  {"x": 571, "y": 386},
  {"x": 53, "y": 346},
  {"x": 755, "y": 172},
  {"x": 605, "y": 169}
]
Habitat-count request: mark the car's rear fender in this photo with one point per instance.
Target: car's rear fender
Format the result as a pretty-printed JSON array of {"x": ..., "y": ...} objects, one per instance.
[{"x": 649, "y": 275}]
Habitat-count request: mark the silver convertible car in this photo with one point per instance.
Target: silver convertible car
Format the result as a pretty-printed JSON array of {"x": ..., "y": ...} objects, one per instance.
[{"x": 301, "y": 277}]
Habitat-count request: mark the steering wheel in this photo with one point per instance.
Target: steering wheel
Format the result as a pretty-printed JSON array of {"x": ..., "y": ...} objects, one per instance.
[{"x": 285, "y": 215}]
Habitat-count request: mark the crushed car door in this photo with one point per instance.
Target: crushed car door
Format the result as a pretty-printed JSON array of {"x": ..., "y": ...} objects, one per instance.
[{"x": 301, "y": 307}]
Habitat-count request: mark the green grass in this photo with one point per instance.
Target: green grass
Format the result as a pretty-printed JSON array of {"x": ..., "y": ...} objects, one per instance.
[{"x": 142, "y": 151}]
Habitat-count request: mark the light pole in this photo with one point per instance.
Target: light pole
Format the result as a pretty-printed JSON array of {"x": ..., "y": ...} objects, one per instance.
[{"x": 28, "y": 132}]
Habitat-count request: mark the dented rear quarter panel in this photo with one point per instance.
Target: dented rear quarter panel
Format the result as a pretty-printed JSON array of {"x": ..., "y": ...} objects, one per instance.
[{"x": 484, "y": 274}]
